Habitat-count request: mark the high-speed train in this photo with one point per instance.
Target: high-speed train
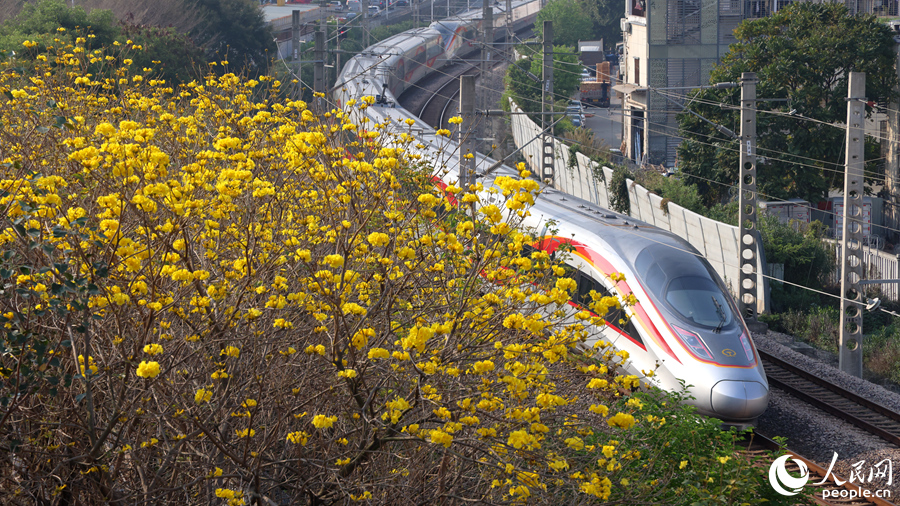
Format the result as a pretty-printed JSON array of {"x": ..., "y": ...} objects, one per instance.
[
  {"x": 389, "y": 67},
  {"x": 685, "y": 327}
]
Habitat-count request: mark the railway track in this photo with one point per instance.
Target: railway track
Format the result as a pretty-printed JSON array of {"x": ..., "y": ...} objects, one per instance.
[
  {"x": 434, "y": 110},
  {"x": 827, "y": 493},
  {"x": 863, "y": 413},
  {"x": 431, "y": 98}
]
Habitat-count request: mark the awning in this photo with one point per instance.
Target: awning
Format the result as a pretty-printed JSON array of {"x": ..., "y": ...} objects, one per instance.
[{"x": 629, "y": 88}]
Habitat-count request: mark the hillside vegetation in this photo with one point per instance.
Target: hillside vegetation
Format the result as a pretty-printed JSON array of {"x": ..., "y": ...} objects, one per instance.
[{"x": 211, "y": 297}]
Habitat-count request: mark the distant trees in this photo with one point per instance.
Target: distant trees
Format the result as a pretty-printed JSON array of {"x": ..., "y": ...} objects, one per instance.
[
  {"x": 235, "y": 30},
  {"x": 526, "y": 91},
  {"x": 569, "y": 21},
  {"x": 575, "y": 20},
  {"x": 803, "y": 55},
  {"x": 181, "y": 37}
]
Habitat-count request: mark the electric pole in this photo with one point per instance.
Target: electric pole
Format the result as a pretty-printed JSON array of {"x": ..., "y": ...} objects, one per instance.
[
  {"x": 509, "y": 22},
  {"x": 748, "y": 208},
  {"x": 295, "y": 47},
  {"x": 488, "y": 23},
  {"x": 466, "y": 131},
  {"x": 319, "y": 71},
  {"x": 892, "y": 162},
  {"x": 852, "y": 299},
  {"x": 547, "y": 154},
  {"x": 364, "y": 7}
]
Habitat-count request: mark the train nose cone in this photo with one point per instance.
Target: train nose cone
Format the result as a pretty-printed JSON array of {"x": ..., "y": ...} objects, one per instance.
[{"x": 739, "y": 399}]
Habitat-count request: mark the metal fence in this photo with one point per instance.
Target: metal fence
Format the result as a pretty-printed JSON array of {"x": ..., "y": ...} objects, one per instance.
[{"x": 878, "y": 265}]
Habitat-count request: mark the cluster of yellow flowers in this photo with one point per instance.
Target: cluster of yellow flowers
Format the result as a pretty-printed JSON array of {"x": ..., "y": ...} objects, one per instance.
[{"x": 223, "y": 232}]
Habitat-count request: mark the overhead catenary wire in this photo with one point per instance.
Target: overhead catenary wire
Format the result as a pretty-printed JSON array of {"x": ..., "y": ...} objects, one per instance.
[
  {"x": 690, "y": 252},
  {"x": 736, "y": 187},
  {"x": 664, "y": 126}
]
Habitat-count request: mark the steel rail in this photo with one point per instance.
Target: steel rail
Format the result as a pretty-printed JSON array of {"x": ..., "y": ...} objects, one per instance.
[
  {"x": 863, "y": 413},
  {"x": 757, "y": 441}
]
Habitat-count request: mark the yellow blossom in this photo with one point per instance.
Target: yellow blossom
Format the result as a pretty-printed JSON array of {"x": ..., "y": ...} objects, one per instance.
[{"x": 148, "y": 369}]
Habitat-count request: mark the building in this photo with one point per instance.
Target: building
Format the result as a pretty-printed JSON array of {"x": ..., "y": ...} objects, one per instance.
[{"x": 674, "y": 44}]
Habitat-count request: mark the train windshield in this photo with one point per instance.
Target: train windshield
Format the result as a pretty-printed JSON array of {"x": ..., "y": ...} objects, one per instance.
[
  {"x": 700, "y": 301},
  {"x": 688, "y": 286},
  {"x": 446, "y": 29}
]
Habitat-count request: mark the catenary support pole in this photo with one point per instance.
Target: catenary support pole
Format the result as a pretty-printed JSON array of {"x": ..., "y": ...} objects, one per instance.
[
  {"x": 509, "y": 27},
  {"x": 466, "y": 131},
  {"x": 488, "y": 24},
  {"x": 747, "y": 200},
  {"x": 547, "y": 154},
  {"x": 852, "y": 298},
  {"x": 319, "y": 71},
  {"x": 364, "y": 7},
  {"x": 892, "y": 162},
  {"x": 295, "y": 47}
]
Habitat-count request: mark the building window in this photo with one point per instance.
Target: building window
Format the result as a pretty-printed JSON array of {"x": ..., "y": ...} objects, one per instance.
[
  {"x": 637, "y": 71},
  {"x": 638, "y": 8}
]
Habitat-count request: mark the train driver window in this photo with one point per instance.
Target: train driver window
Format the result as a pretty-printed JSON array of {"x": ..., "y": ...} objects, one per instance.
[{"x": 700, "y": 301}]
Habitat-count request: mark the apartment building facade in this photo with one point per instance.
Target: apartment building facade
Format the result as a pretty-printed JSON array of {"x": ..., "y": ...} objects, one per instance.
[{"x": 671, "y": 46}]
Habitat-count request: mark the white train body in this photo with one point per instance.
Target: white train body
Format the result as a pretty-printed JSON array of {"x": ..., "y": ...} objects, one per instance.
[{"x": 685, "y": 326}]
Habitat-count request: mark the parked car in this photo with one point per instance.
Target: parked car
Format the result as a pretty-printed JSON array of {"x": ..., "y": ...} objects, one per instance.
[{"x": 577, "y": 119}]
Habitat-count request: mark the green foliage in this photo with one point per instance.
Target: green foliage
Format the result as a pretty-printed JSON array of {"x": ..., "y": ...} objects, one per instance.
[
  {"x": 522, "y": 87},
  {"x": 816, "y": 324},
  {"x": 804, "y": 54},
  {"x": 46, "y": 16},
  {"x": 675, "y": 190},
  {"x": 235, "y": 30},
  {"x": 606, "y": 15},
  {"x": 584, "y": 141},
  {"x": 807, "y": 260},
  {"x": 569, "y": 22},
  {"x": 172, "y": 56},
  {"x": 618, "y": 190},
  {"x": 696, "y": 461},
  {"x": 726, "y": 213}
]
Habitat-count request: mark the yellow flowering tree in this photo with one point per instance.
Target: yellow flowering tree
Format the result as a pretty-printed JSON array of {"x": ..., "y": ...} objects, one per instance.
[{"x": 207, "y": 295}]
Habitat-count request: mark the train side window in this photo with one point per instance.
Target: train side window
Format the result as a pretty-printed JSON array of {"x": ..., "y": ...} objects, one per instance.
[
  {"x": 585, "y": 285},
  {"x": 632, "y": 332},
  {"x": 616, "y": 317}
]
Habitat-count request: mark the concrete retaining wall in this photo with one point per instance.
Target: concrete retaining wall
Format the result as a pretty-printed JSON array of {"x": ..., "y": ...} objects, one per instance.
[{"x": 717, "y": 241}]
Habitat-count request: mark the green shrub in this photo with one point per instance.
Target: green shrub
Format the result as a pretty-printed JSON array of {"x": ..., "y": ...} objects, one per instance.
[
  {"x": 807, "y": 260},
  {"x": 618, "y": 190}
]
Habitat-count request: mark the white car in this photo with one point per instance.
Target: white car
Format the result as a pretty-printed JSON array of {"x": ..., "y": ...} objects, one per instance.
[
  {"x": 374, "y": 11},
  {"x": 336, "y": 6}
]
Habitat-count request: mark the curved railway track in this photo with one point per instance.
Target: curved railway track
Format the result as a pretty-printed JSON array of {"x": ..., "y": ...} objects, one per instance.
[
  {"x": 434, "y": 110},
  {"x": 432, "y": 97},
  {"x": 863, "y": 413},
  {"x": 758, "y": 446}
]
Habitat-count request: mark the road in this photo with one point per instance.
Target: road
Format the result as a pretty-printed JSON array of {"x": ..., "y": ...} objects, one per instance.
[{"x": 606, "y": 123}]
